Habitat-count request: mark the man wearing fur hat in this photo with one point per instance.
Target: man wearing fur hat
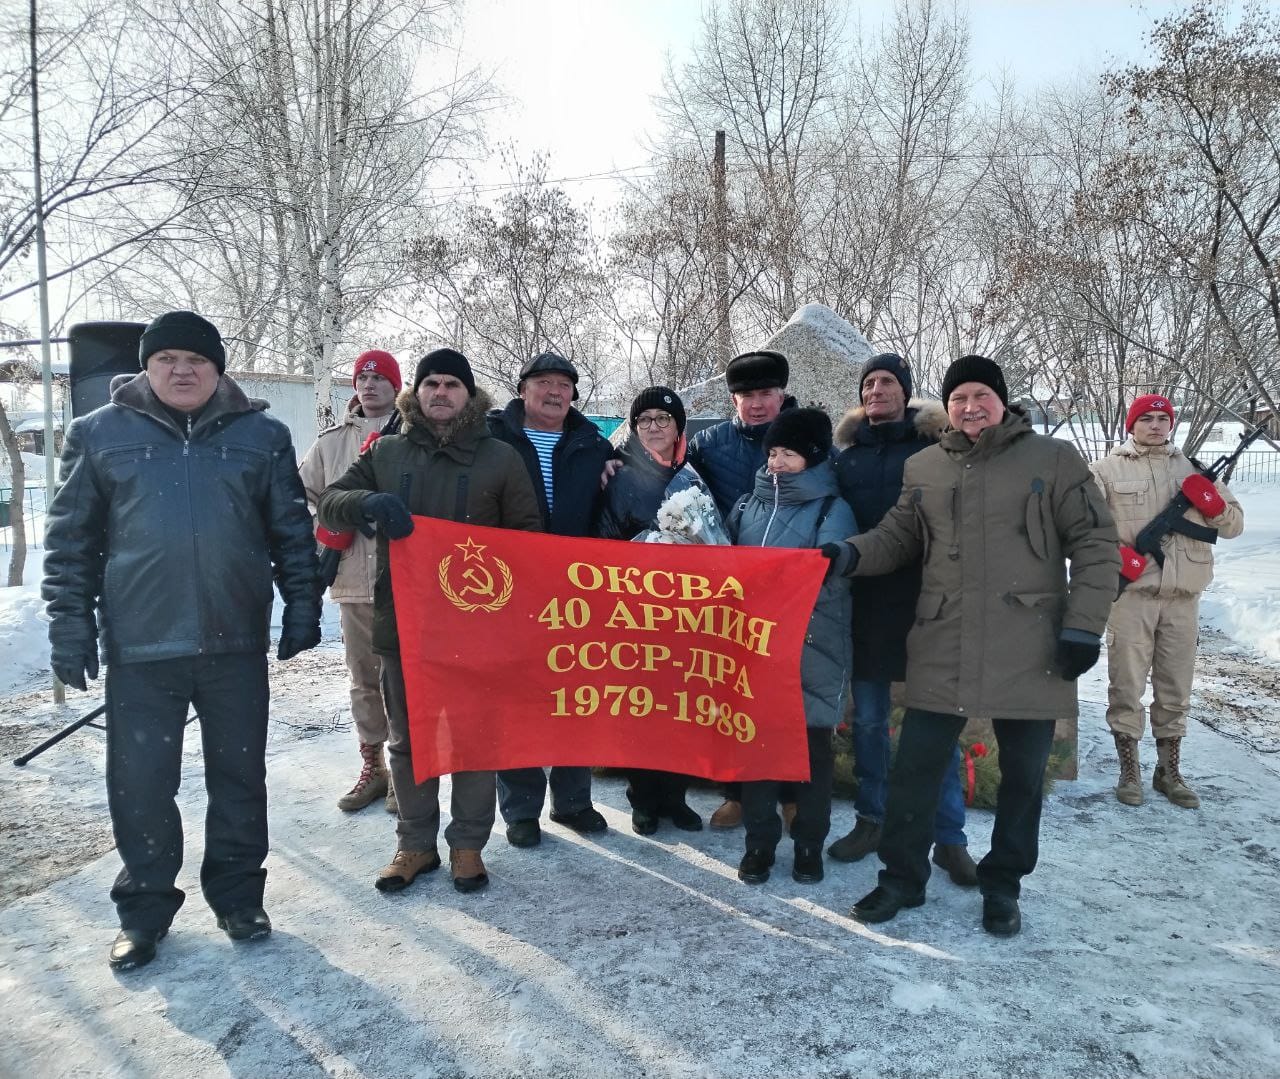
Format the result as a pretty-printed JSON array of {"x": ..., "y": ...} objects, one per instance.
[
  {"x": 180, "y": 501},
  {"x": 877, "y": 438},
  {"x": 566, "y": 457},
  {"x": 727, "y": 456},
  {"x": 1154, "y": 625},
  {"x": 444, "y": 464},
  {"x": 994, "y": 512},
  {"x": 371, "y": 414}
]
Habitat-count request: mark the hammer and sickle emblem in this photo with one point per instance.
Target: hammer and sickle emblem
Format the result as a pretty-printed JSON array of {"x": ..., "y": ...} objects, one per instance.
[{"x": 481, "y": 581}]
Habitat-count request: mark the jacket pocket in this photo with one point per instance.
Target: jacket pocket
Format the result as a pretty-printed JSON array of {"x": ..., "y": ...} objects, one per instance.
[
  {"x": 1129, "y": 499},
  {"x": 1037, "y": 535},
  {"x": 928, "y": 607},
  {"x": 922, "y": 522}
]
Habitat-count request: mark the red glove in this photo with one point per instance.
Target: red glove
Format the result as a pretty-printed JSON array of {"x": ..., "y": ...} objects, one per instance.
[
  {"x": 1202, "y": 494},
  {"x": 1131, "y": 563},
  {"x": 337, "y": 541},
  {"x": 369, "y": 440}
]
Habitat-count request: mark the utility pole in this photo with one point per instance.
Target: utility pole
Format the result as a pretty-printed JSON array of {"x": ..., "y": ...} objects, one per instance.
[
  {"x": 42, "y": 271},
  {"x": 720, "y": 257}
]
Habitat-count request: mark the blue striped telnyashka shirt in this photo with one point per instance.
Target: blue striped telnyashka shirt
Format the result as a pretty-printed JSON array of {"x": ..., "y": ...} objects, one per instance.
[{"x": 545, "y": 443}]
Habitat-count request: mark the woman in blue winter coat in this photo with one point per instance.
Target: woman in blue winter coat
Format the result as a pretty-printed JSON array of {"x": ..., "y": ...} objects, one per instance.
[{"x": 796, "y": 503}]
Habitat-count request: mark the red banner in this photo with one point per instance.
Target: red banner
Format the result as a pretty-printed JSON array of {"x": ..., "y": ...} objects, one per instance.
[{"x": 522, "y": 649}]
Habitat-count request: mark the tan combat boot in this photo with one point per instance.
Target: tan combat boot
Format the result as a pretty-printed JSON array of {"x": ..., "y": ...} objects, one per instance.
[
  {"x": 1129, "y": 789},
  {"x": 468, "y": 870},
  {"x": 404, "y": 868},
  {"x": 1168, "y": 779},
  {"x": 372, "y": 783},
  {"x": 729, "y": 815}
]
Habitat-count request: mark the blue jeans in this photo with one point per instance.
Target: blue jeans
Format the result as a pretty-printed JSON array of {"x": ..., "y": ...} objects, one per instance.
[
  {"x": 871, "y": 709},
  {"x": 522, "y": 791}
]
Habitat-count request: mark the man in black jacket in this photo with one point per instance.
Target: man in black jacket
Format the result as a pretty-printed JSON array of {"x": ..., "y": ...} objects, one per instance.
[
  {"x": 876, "y": 438},
  {"x": 566, "y": 457},
  {"x": 180, "y": 501}
]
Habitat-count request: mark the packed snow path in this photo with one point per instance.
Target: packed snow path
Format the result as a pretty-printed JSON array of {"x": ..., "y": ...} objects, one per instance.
[{"x": 1151, "y": 947}]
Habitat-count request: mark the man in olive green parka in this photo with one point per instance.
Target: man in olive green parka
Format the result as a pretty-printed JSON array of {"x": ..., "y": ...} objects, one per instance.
[
  {"x": 443, "y": 464},
  {"x": 995, "y": 512}
]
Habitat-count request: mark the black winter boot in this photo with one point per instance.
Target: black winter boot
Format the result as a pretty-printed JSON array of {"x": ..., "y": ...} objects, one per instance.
[
  {"x": 808, "y": 865},
  {"x": 755, "y": 865}
]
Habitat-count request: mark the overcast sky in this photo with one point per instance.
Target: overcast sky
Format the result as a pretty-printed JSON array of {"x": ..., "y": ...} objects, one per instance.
[{"x": 582, "y": 73}]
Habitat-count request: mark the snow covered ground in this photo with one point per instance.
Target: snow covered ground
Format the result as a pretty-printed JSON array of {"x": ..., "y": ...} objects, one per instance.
[{"x": 1150, "y": 946}]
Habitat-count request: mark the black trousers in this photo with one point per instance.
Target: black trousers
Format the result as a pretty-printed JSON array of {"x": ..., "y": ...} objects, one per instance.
[
  {"x": 146, "y": 713},
  {"x": 813, "y": 800},
  {"x": 656, "y": 793},
  {"x": 924, "y": 753}
]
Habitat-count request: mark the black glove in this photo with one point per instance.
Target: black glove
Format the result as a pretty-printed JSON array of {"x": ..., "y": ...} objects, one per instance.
[
  {"x": 843, "y": 556},
  {"x": 1078, "y": 650},
  {"x": 388, "y": 512},
  {"x": 73, "y": 664},
  {"x": 329, "y": 562},
  {"x": 300, "y": 641}
]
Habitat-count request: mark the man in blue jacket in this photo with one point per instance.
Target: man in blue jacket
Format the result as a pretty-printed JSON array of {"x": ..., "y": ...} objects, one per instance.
[
  {"x": 727, "y": 456},
  {"x": 566, "y": 457},
  {"x": 180, "y": 503}
]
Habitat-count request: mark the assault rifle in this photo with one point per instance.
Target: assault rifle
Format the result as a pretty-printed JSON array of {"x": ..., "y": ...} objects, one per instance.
[{"x": 1172, "y": 518}]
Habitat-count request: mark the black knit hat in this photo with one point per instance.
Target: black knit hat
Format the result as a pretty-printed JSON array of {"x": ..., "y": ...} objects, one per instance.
[
  {"x": 760, "y": 370},
  {"x": 807, "y": 431},
  {"x": 891, "y": 362},
  {"x": 185, "y": 330},
  {"x": 445, "y": 361},
  {"x": 662, "y": 398},
  {"x": 550, "y": 361},
  {"x": 975, "y": 369}
]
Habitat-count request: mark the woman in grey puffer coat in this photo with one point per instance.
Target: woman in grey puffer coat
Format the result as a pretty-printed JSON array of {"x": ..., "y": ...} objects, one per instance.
[{"x": 796, "y": 503}]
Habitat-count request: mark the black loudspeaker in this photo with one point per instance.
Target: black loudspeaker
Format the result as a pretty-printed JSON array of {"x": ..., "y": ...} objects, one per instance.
[{"x": 99, "y": 351}]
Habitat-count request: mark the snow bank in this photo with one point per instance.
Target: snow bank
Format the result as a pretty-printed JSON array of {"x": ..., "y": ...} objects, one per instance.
[{"x": 1244, "y": 599}]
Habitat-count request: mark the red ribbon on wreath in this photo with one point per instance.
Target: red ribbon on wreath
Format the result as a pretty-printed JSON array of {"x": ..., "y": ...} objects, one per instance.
[{"x": 975, "y": 750}]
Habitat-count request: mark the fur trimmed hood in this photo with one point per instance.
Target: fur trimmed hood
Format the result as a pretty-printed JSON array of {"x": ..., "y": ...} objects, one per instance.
[
  {"x": 930, "y": 421},
  {"x": 472, "y": 414}
]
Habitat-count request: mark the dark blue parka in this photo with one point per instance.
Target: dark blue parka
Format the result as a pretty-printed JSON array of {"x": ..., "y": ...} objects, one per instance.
[
  {"x": 804, "y": 509},
  {"x": 869, "y": 472},
  {"x": 633, "y": 496},
  {"x": 175, "y": 537},
  {"x": 576, "y": 464},
  {"x": 728, "y": 455}
]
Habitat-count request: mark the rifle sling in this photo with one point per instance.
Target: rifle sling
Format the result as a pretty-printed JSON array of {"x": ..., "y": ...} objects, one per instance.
[{"x": 1193, "y": 530}]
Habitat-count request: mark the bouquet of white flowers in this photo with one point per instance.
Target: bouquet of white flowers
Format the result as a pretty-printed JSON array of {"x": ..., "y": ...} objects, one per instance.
[{"x": 688, "y": 516}]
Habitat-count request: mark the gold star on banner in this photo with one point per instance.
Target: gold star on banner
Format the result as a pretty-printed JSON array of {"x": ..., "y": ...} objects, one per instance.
[{"x": 470, "y": 550}]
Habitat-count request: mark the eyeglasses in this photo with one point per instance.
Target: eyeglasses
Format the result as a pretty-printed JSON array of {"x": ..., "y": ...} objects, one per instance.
[{"x": 660, "y": 422}]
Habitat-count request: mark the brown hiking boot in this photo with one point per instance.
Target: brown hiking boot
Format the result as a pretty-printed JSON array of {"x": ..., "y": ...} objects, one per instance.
[
  {"x": 372, "y": 783},
  {"x": 957, "y": 862},
  {"x": 392, "y": 806},
  {"x": 1129, "y": 789},
  {"x": 404, "y": 868},
  {"x": 729, "y": 815},
  {"x": 862, "y": 841},
  {"x": 1168, "y": 777},
  {"x": 468, "y": 870}
]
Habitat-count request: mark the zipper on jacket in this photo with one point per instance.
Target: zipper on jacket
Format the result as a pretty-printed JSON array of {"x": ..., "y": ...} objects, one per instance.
[
  {"x": 953, "y": 552},
  {"x": 773, "y": 513},
  {"x": 195, "y": 540}
]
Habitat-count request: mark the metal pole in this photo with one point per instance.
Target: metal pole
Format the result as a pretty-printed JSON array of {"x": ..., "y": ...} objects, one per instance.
[{"x": 46, "y": 357}]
